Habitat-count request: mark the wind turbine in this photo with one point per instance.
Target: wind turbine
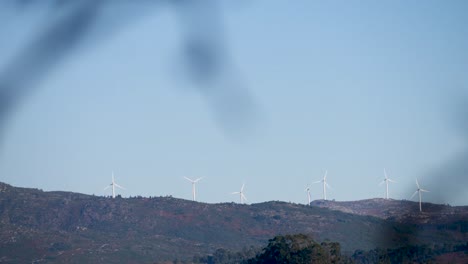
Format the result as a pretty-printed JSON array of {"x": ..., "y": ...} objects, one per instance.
[
  {"x": 193, "y": 186},
  {"x": 308, "y": 194},
  {"x": 419, "y": 191},
  {"x": 242, "y": 197},
  {"x": 113, "y": 185},
  {"x": 386, "y": 180},
  {"x": 325, "y": 185}
]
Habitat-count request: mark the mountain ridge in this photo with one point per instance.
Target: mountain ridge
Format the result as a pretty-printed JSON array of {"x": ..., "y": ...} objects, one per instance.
[{"x": 71, "y": 227}]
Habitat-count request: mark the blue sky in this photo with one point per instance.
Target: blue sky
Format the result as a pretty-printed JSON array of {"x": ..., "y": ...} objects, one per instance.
[{"x": 348, "y": 87}]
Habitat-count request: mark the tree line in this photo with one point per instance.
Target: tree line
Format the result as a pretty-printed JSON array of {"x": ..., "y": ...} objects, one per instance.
[{"x": 300, "y": 248}]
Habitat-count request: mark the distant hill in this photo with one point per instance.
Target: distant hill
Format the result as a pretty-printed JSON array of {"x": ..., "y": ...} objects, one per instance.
[
  {"x": 67, "y": 227},
  {"x": 398, "y": 210}
]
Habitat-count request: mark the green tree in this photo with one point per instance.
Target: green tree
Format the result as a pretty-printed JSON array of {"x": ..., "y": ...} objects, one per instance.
[{"x": 298, "y": 248}]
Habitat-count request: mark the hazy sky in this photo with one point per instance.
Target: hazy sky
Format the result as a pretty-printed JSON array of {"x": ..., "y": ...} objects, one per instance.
[{"x": 351, "y": 87}]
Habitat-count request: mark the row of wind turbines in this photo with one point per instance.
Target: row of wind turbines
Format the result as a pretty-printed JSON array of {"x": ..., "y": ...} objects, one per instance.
[
  {"x": 385, "y": 181},
  {"x": 323, "y": 181},
  {"x": 242, "y": 198}
]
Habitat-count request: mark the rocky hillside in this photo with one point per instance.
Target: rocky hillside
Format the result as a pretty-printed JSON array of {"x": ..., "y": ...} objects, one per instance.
[
  {"x": 66, "y": 227},
  {"x": 399, "y": 210}
]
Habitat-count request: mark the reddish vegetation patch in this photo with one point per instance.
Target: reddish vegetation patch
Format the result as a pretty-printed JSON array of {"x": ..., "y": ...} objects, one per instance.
[
  {"x": 179, "y": 217},
  {"x": 261, "y": 232},
  {"x": 455, "y": 257}
]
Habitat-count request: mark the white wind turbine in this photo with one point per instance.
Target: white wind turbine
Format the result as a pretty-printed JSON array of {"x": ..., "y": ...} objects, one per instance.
[
  {"x": 113, "y": 185},
  {"x": 308, "y": 194},
  {"x": 325, "y": 185},
  {"x": 242, "y": 197},
  {"x": 193, "y": 186},
  {"x": 419, "y": 190},
  {"x": 386, "y": 180}
]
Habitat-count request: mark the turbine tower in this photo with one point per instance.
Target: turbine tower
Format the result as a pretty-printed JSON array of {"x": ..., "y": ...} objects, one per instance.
[
  {"x": 242, "y": 197},
  {"x": 325, "y": 185},
  {"x": 386, "y": 180},
  {"x": 193, "y": 186},
  {"x": 308, "y": 194},
  {"x": 419, "y": 191},
  {"x": 113, "y": 185}
]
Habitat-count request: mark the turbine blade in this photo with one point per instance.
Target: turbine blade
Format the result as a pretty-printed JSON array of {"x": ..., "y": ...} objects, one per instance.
[
  {"x": 382, "y": 183},
  {"x": 116, "y": 185},
  {"x": 243, "y": 197},
  {"x": 413, "y": 195},
  {"x": 107, "y": 187},
  {"x": 317, "y": 182},
  {"x": 385, "y": 173},
  {"x": 198, "y": 179},
  {"x": 328, "y": 186},
  {"x": 242, "y": 188},
  {"x": 188, "y": 179},
  {"x": 325, "y": 176},
  {"x": 422, "y": 190},
  {"x": 417, "y": 183},
  {"x": 235, "y": 192},
  {"x": 390, "y": 180}
]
